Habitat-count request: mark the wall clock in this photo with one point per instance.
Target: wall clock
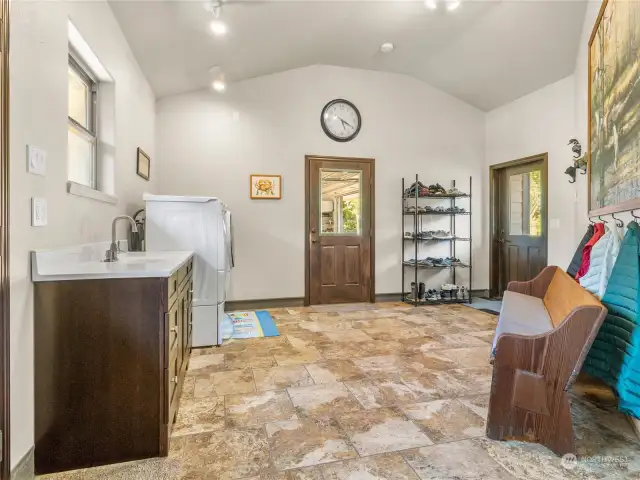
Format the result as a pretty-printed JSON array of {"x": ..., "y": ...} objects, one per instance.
[{"x": 340, "y": 120}]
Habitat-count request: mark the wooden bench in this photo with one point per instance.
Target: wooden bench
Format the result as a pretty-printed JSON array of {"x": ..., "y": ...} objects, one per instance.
[{"x": 545, "y": 330}]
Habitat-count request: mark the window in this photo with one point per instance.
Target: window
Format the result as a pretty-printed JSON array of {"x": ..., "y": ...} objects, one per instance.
[{"x": 82, "y": 131}]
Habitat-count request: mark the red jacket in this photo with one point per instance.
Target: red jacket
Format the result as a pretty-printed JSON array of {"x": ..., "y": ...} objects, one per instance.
[{"x": 598, "y": 232}]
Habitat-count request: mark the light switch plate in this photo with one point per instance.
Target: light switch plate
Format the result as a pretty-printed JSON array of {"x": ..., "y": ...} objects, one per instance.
[
  {"x": 38, "y": 212},
  {"x": 554, "y": 224},
  {"x": 36, "y": 160}
]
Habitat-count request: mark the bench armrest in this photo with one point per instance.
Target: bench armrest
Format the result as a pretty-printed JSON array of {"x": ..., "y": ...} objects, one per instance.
[{"x": 536, "y": 287}]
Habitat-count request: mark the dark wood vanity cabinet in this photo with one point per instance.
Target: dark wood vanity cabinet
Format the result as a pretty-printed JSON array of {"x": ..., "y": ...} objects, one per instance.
[{"x": 110, "y": 360}]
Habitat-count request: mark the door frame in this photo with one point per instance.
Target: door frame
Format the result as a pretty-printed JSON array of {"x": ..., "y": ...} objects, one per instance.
[
  {"x": 494, "y": 212},
  {"x": 5, "y": 319},
  {"x": 372, "y": 214}
]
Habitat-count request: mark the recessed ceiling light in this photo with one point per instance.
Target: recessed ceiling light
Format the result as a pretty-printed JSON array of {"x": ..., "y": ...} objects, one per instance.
[
  {"x": 431, "y": 4},
  {"x": 387, "y": 47},
  {"x": 218, "y": 27},
  {"x": 451, "y": 6},
  {"x": 219, "y": 86}
]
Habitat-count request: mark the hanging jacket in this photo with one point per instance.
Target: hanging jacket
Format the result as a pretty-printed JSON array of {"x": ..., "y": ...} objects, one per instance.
[
  {"x": 576, "y": 261},
  {"x": 603, "y": 255},
  {"x": 615, "y": 354},
  {"x": 586, "y": 252}
]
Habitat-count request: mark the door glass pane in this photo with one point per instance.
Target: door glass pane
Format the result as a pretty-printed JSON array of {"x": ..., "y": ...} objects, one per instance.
[
  {"x": 340, "y": 202},
  {"x": 525, "y": 204},
  {"x": 78, "y": 99}
]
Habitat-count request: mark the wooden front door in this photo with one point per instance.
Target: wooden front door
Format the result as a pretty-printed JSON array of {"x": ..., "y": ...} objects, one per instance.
[
  {"x": 339, "y": 230},
  {"x": 521, "y": 234}
]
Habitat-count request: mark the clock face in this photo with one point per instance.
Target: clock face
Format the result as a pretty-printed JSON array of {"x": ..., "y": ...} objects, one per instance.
[{"x": 340, "y": 120}]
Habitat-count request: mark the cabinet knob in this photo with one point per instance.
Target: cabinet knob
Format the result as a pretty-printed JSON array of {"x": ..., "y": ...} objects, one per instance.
[
  {"x": 174, "y": 329},
  {"x": 174, "y": 380}
]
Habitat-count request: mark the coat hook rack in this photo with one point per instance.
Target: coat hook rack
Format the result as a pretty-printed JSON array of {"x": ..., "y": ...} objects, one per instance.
[
  {"x": 633, "y": 214},
  {"x": 591, "y": 221},
  {"x": 600, "y": 218},
  {"x": 619, "y": 222}
]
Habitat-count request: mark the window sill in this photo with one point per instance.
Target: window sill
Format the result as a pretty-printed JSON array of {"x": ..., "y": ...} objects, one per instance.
[{"x": 83, "y": 191}]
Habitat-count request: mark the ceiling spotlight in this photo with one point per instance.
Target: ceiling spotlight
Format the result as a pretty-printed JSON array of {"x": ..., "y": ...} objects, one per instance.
[
  {"x": 387, "y": 47},
  {"x": 451, "y": 6},
  {"x": 431, "y": 4},
  {"x": 218, "y": 27},
  {"x": 219, "y": 86}
]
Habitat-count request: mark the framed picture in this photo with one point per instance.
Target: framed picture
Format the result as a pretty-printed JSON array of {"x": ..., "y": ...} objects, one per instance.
[
  {"x": 265, "y": 187},
  {"x": 144, "y": 164},
  {"x": 614, "y": 97}
]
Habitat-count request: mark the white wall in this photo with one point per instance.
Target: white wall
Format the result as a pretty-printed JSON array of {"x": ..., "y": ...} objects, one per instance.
[
  {"x": 541, "y": 122},
  {"x": 544, "y": 121},
  {"x": 38, "y": 66},
  {"x": 208, "y": 144}
]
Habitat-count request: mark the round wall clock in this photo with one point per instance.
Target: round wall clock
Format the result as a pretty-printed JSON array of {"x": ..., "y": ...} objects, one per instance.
[{"x": 340, "y": 120}]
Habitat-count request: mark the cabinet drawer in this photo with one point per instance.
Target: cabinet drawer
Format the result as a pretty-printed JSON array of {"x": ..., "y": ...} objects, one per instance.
[
  {"x": 174, "y": 372},
  {"x": 173, "y": 327},
  {"x": 172, "y": 288}
]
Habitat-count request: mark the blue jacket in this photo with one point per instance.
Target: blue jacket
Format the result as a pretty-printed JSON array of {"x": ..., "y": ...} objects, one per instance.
[{"x": 615, "y": 354}]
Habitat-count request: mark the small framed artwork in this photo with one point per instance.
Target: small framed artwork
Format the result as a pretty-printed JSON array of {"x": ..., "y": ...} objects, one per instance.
[
  {"x": 265, "y": 187},
  {"x": 144, "y": 164}
]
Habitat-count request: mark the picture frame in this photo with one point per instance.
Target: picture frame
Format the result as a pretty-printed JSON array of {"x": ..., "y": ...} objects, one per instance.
[
  {"x": 613, "y": 152},
  {"x": 143, "y": 164},
  {"x": 265, "y": 186}
]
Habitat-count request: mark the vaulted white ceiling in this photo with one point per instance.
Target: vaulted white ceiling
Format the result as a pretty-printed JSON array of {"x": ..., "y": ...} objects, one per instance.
[{"x": 486, "y": 53}]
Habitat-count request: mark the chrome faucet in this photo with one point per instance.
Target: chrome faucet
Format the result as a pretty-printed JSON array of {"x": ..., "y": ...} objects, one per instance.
[{"x": 111, "y": 255}]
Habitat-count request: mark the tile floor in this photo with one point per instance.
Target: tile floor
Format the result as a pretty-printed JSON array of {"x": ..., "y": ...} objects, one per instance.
[{"x": 384, "y": 391}]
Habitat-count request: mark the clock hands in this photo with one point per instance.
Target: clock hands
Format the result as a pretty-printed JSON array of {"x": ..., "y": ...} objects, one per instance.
[{"x": 344, "y": 122}]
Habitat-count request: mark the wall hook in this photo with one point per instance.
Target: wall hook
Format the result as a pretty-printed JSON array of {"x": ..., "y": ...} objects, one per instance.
[
  {"x": 600, "y": 218},
  {"x": 633, "y": 214},
  {"x": 619, "y": 222}
]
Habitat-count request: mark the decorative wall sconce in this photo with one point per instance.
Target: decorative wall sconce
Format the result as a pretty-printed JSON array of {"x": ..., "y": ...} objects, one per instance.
[{"x": 579, "y": 160}]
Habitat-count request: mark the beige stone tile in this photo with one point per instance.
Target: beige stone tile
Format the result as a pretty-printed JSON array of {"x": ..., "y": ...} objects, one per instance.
[
  {"x": 278, "y": 378},
  {"x": 461, "y": 340},
  {"x": 229, "y": 454},
  {"x": 305, "y": 340},
  {"x": 205, "y": 365},
  {"x": 389, "y": 466},
  {"x": 446, "y": 384},
  {"x": 395, "y": 336},
  {"x": 248, "y": 410},
  {"x": 463, "y": 460},
  {"x": 433, "y": 360},
  {"x": 350, "y": 335},
  {"x": 188, "y": 388},
  {"x": 149, "y": 469},
  {"x": 381, "y": 347},
  {"x": 341, "y": 351},
  {"x": 475, "y": 379},
  {"x": 323, "y": 400},
  {"x": 248, "y": 358},
  {"x": 377, "y": 393},
  {"x": 199, "y": 415},
  {"x": 381, "y": 364},
  {"x": 307, "y": 442},
  {"x": 478, "y": 404},
  {"x": 445, "y": 420},
  {"x": 332, "y": 371},
  {"x": 485, "y": 335},
  {"x": 308, "y": 473},
  {"x": 388, "y": 324},
  {"x": 469, "y": 357},
  {"x": 233, "y": 381},
  {"x": 381, "y": 430},
  {"x": 203, "y": 387},
  {"x": 299, "y": 356}
]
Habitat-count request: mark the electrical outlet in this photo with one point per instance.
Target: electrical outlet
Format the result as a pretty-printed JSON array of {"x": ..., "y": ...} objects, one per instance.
[
  {"x": 36, "y": 160},
  {"x": 38, "y": 212}
]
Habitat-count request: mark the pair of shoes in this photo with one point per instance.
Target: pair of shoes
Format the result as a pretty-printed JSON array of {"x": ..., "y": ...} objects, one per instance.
[
  {"x": 455, "y": 209},
  {"x": 437, "y": 189},
  {"x": 432, "y": 295},
  {"x": 442, "y": 234},
  {"x": 416, "y": 189}
]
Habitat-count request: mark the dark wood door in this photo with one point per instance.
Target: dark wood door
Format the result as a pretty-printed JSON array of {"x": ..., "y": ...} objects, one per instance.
[
  {"x": 522, "y": 222},
  {"x": 340, "y": 227}
]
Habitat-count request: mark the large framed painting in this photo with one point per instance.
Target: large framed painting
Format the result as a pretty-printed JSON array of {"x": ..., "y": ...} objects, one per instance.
[{"x": 614, "y": 108}]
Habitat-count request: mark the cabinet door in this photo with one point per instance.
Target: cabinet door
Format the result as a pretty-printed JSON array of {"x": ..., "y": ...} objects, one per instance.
[{"x": 184, "y": 301}]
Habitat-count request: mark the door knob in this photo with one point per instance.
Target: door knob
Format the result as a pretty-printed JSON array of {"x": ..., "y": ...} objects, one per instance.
[
  {"x": 313, "y": 230},
  {"x": 314, "y": 241}
]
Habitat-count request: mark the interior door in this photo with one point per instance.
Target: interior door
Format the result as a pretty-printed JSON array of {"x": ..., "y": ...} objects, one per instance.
[
  {"x": 340, "y": 207},
  {"x": 522, "y": 228}
]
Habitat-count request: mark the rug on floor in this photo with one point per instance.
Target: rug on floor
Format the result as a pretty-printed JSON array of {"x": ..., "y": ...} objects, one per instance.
[{"x": 253, "y": 324}]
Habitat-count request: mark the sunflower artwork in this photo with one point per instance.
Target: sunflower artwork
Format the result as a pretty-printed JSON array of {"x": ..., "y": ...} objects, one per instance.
[{"x": 266, "y": 187}]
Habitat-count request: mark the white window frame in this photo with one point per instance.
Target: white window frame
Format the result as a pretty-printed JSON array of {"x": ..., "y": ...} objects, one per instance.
[{"x": 90, "y": 133}]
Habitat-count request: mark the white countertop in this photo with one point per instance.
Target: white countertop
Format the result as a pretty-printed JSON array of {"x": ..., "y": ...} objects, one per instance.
[{"x": 84, "y": 262}]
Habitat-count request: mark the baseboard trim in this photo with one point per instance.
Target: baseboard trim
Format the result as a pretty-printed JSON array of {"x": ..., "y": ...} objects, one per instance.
[
  {"x": 25, "y": 468},
  {"x": 234, "y": 305}
]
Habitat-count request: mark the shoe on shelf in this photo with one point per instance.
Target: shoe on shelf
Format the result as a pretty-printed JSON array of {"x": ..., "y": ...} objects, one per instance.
[
  {"x": 442, "y": 234},
  {"x": 433, "y": 295},
  {"x": 437, "y": 189},
  {"x": 421, "y": 292}
]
